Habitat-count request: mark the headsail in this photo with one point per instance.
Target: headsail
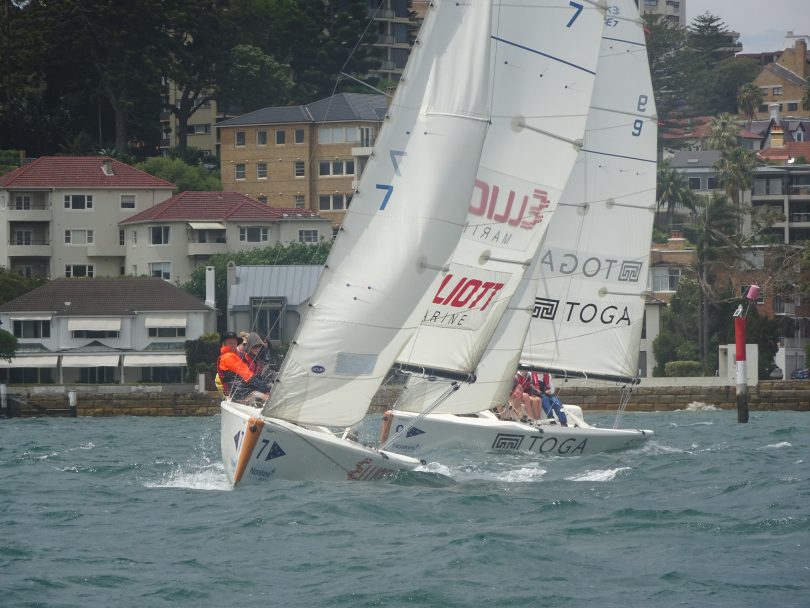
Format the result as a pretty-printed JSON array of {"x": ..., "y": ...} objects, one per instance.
[
  {"x": 622, "y": 69},
  {"x": 403, "y": 223},
  {"x": 544, "y": 56},
  {"x": 589, "y": 310}
]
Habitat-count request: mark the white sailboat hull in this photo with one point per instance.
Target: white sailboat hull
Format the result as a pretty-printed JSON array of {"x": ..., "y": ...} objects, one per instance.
[
  {"x": 484, "y": 432},
  {"x": 256, "y": 448}
]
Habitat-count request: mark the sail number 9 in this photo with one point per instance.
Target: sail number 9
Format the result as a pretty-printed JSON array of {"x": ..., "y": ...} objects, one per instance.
[{"x": 638, "y": 124}]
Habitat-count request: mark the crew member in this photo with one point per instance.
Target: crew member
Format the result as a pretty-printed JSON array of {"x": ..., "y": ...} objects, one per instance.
[{"x": 237, "y": 379}]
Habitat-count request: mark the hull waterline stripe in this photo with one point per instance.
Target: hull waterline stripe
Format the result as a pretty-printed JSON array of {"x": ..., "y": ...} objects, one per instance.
[{"x": 541, "y": 53}]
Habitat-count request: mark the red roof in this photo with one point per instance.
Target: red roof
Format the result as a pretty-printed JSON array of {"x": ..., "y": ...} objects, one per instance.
[
  {"x": 200, "y": 206},
  {"x": 80, "y": 172},
  {"x": 791, "y": 149}
]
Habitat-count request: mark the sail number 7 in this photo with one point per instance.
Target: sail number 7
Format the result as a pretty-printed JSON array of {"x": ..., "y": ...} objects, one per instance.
[
  {"x": 578, "y": 7},
  {"x": 388, "y": 190}
]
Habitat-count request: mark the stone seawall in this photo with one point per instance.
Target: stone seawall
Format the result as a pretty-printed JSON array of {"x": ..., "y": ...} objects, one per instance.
[{"x": 768, "y": 395}]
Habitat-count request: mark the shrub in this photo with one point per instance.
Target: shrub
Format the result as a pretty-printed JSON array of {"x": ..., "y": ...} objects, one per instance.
[{"x": 683, "y": 369}]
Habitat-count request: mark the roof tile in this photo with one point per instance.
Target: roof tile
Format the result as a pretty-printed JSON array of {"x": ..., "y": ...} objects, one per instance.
[{"x": 79, "y": 172}]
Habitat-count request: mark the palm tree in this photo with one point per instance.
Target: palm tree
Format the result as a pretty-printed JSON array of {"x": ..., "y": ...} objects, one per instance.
[
  {"x": 723, "y": 132},
  {"x": 672, "y": 193},
  {"x": 736, "y": 171},
  {"x": 749, "y": 98},
  {"x": 716, "y": 246}
]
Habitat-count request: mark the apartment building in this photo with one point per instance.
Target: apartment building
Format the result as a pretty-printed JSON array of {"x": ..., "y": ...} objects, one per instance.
[
  {"x": 396, "y": 23},
  {"x": 784, "y": 81},
  {"x": 59, "y": 215},
  {"x": 201, "y": 128},
  {"x": 170, "y": 240},
  {"x": 674, "y": 10},
  {"x": 306, "y": 156},
  {"x": 95, "y": 331}
]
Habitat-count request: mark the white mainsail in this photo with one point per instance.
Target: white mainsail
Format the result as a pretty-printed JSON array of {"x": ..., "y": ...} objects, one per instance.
[
  {"x": 544, "y": 56},
  {"x": 589, "y": 309},
  {"x": 609, "y": 144},
  {"x": 404, "y": 222}
]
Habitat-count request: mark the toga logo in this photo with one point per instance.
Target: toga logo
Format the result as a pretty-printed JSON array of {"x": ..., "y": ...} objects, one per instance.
[
  {"x": 545, "y": 308},
  {"x": 630, "y": 271}
]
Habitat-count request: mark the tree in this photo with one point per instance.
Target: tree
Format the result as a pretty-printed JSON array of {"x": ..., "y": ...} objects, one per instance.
[
  {"x": 13, "y": 286},
  {"x": 717, "y": 245},
  {"x": 291, "y": 253},
  {"x": 672, "y": 193},
  {"x": 677, "y": 339},
  {"x": 253, "y": 80},
  {"x": 711, "y": 40},
  {"x": 806, "y": 97},
  {"x": 736, "y": 171},
  {"x": 667, "y": 53},
  {"x": 749, "y": 98},
  {"x": 182, "y": 175},
  {"x": 723, "y": 132}
]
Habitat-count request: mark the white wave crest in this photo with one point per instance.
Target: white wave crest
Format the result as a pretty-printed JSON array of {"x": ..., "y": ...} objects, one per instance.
[
  {"x": 781, "y": 444},
  {"x": 699, "y": 406},
  {"x": 209, "y": 478},
  {"x": 598, "y": 475}
]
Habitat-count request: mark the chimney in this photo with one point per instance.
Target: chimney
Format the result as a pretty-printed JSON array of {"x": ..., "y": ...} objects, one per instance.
[
  {"x": 106, "y": 166},
  {"x": 773, "y": 110},
  {"x": 801, "y": 58},
  {"x": 777, "y": 137},
  {"x": 210, "y": 297}
]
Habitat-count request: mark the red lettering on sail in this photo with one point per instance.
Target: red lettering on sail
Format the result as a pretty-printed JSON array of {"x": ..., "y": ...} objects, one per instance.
[
  {"x": 466, "y": 289},
  {"x": 487, "y": 200}
]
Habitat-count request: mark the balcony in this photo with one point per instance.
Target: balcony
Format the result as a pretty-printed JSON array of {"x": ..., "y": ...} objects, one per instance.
[
  {"x": 33, "y": 248},
  {"x": 799, "y": 218},
  {"x": 800, "y": 190},
  {"x": 205, "y": 249},
  {"x": 36, "y": 212},
  {"x": 102, "y": 250}
]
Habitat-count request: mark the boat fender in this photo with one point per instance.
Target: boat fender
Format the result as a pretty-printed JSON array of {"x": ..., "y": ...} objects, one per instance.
[
  {"x": 423, "y": 462},
  {"x": 254, "y": 428}
]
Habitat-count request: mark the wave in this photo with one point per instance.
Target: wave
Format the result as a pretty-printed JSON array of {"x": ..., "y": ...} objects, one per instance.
[
  {"x": 699, "y": 406},
  {"x": 207, "y": 478},
  {"x": 598, "y": 474},
  {"x": 781, "y": 444}
]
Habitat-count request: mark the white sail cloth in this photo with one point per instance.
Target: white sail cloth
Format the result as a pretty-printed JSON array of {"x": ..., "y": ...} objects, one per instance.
[
  {"x": 622, "y": 67},
  {"x": 544, "y": 56},
  {"x": 589, "y": 310},
  {"x": 403, "y": 223}
]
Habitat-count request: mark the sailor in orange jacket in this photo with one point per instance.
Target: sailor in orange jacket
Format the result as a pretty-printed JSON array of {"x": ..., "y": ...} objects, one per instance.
[{"x": 237, "y": 379}]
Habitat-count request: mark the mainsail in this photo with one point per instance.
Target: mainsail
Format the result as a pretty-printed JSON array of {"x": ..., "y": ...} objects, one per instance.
[
  {"x": 404, "y": 221},
  {"x": 621, "y": 185},
  {"x": 544, "y": 56},
  {"x": 589, "y": 307}
]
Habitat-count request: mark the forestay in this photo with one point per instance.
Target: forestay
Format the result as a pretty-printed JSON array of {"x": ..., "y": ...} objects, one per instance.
[
  {"x": 544, "y": 56},
  {"x": 589, "y": 309},
  {"x": 404, "y": 222}
]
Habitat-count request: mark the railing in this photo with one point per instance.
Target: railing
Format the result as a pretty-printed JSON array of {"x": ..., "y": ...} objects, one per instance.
[
  {"x": 800, "y": 217},
  {"x": 801, "y": 189},
  {"x": 28, "y": 242},
  {"x": 34, "y": 206}
]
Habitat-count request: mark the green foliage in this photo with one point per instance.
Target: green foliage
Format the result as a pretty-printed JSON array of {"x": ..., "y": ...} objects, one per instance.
[
  {"x": 13, "y": 285},
  {"x": 202, "y": 354},
  {"x": 8, "y": 345},
  {"x": 676, "y": 369},
  {"x": 182, "y": 175},
  {"x": 659, "y": 236},
  {"x": 254, "y": 80},
  {"x": 672, "y": 193},
  {"x": 749, "y": 98},
  {"x": 678, "y": 335},
  {"x": 281, "y": 254},
  {"x": 668, "y": 55}
]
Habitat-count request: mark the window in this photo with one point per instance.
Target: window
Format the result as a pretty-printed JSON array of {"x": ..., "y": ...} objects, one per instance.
[
  {"x": 300, "y": 201},
  {"x": 694, "y": 183},
  {"x": 160, "y": 270},
  {"x": 159, "y": 235},
  {"x": 308, "y": 236},
  {"x": 338, "y": 135},
  {"x": 78, "y": 237},
  {"x": 239, "y": 170},
  {"x": 765, "y": 92},
  {"x": 763, "y": 107},
  {"x": 299, "y": 136},
  {"x": 793, "y": 106},
  {"x": 263, "y": 199},
  {"x": 93, "y": 333},
  {"x": 22, "y": 202},
  {"x": 253, "y": 234},
  {"x": 798, "y": 135},
  {"x": 79, "y": 270},
  {"x": 25, "y": 271},
  {"x": 665, "y": 279},
  {"x": 777, "y": 90},
  {"x": 23, "y": 237},
  {"x": 261, "y": 138},
  {"x": 754, "y": 259},
  {"x": 127, "y": 201},
  {"x": 201, "y": 129},
  {"x": 334, "y": 202},
  {"x": 336, "y": 167},
  {"x": 299, "y": 168},
  {"x": 32, "y": 329},
  {"x": 711, "y": 183},
  {"x": 97, "y": 375},
  {"x": 268, "y": 321},
  {"x": 122, "y": 238},
  {"x": 78, "y": 201},
  {"x": 261, "y": 171},
  {"x": 134, "y": 237},
  {"x": 281, "y": 137},
  {"x": 167, "y": 332},
  {"x": 239, "y": 138}
]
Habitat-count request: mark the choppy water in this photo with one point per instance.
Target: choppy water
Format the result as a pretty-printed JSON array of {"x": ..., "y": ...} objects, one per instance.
[{"x": 136, "y": 512}]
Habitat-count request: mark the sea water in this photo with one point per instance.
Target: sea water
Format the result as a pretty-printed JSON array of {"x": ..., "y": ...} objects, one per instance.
[{"x": 137, "y": 512}]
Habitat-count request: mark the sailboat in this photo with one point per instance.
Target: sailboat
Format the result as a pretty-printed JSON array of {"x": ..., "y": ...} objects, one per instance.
[
  {"x": 406, "y": 219},
  {"x": 578, "y": 311}
]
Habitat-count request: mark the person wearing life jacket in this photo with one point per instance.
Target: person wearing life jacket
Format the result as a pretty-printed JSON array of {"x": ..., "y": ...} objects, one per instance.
[{"x": 237, "y": 379}]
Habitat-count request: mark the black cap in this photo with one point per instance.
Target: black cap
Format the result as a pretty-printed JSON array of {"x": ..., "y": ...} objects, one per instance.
[{"x": 230, "y": 334}]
